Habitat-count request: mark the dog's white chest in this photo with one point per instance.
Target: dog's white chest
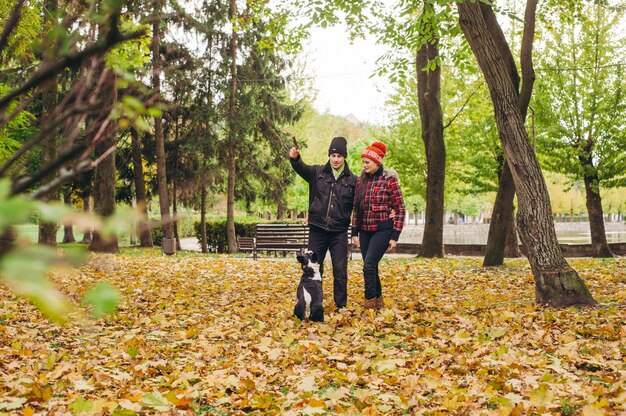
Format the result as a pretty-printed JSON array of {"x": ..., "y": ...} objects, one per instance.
[{"x": 307, "y": 302}]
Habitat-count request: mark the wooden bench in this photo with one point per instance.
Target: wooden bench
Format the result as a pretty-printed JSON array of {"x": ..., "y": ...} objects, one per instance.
[
  {"x": 246, "y": 244},
  {"x": 280, "y": 237}
]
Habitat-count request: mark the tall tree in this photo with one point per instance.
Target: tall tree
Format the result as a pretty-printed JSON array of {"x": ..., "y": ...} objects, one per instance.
[
  {"x": 556, "y": 283},
  {"x": 431, "y": 114},
  {"x": 145, "y": 234},
  {"x": 49, "y": 98},
  {"x": 104, "y": 177},
  {"x": 232, "y": 132},
  {"x": 502, "y": 237},
  {"x": 582, "y": 106},
  {"x": 164, "y": 204}
]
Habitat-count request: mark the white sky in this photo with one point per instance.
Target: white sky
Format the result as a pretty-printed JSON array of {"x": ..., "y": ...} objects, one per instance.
[{"x": 342, "y": 75}]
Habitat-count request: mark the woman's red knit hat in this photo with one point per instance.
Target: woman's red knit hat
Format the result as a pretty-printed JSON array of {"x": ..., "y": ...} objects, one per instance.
[{"x": 376, "y": 152}]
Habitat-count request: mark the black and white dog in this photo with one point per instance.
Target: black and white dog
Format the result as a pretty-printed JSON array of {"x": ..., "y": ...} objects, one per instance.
[{"x": 309, "y": 293}]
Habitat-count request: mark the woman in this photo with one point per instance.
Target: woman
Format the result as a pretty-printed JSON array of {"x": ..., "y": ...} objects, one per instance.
[{"x": 376, "y": 195}]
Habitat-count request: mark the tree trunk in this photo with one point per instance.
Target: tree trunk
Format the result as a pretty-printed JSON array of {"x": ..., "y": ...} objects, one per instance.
[
  {"x": 511, "y": 246},
  {"x": 281, "y": 209},
  {"x": 230, "y": 200},
  {"x": 431, "y": 115},
  {"x": 203, "y": 243},
  {"x": 175, "y": 214},
  {"x": 593, "y": 200},
  {"x": 500, "y": 220},
  {"x": 164, "y": 202},
  {"x": 502, "y": 240},
  {"x": 104, "y": 179},
  {"x": 145, "y": 235},
  {"x": 68, "y": 230},
  {"x": 49, "y": 100},
  {"x": 556, "y": 283},
  {"x": 87, "y": 209}
]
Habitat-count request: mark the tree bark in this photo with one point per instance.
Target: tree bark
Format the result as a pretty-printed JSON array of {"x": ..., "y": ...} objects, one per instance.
[
  {"x": 49, "y": 101},
  {"x": 145, "y": 235},
  {"x": 203, "y": 243},
  {"x": 175, "y": 213},
  {"x": 281, "y": 209},
  {"x": 68, "y": 230},
  {"x": 230, "y": 199},
  {"x": 593, "y": 200},
  {"x": 511, "y": 246},
  {"x": 501, "y": 218},
  {"x": 502, "y": 238},
  {"x": 104, "y": 179},
  {"x": 87, "y": 209},
  {"x": 556, "y": 283},
  {"x": 164, "y": 202},
  {"x": 431, "y": 115}
]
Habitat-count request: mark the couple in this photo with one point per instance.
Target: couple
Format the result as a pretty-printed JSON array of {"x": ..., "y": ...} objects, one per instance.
[{"x": 377, "y": 221}]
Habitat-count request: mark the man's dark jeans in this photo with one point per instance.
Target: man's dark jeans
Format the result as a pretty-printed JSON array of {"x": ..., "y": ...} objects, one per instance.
[
  {"x": 373, "y": 248},
  {"x": 320, "y": 242}
]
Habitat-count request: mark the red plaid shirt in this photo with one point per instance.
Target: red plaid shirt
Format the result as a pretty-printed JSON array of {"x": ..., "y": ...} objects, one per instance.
[{"x": 381, "y": 196}]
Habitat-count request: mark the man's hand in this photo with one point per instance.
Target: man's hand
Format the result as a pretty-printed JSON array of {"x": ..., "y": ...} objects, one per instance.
[
  {"x": 294, "y": 153},
  {"x": 355, "y": 241},
  {"x": 392, "y": 245}
]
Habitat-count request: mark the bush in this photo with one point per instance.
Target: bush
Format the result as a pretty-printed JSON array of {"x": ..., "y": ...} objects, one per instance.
[
  {"x": 157, "y": 232},
  {"x": 216, "y": 233},
  {"x": 186, "y": 228}
]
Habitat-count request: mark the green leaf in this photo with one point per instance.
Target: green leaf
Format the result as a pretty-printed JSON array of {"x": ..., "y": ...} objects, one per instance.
[
  {"x": 52, "y": 212},
  {"x": 81, "y": 405},
  {"x": 13, "y": 403},
  {"x": 104, "y": 299},
  {"x": 24, "y": 270},
  {"x": 156, "y": 401},
  {"x": 14, "y": 211}
]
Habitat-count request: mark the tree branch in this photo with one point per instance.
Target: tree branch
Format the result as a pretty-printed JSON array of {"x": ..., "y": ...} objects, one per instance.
[
  {"x": 463, "y": 106},
  {"x": 49, "y": 70},
  {"x": 526, "y": 57}
]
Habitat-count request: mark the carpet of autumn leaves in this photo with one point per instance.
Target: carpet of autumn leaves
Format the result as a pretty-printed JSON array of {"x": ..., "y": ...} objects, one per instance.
[{"x": 209, "y": 335}]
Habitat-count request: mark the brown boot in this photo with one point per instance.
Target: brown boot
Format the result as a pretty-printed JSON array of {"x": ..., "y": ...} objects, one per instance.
[
  {"x": 370, "y": 303},
  {"x": 380, "y": 303}
]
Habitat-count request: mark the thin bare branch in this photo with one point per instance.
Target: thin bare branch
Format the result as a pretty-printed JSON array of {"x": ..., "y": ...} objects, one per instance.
[{"x": 50, "y": 69}]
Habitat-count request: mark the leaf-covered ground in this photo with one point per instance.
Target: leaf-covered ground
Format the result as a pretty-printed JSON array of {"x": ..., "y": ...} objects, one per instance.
[{"x": 200, "y": 335}]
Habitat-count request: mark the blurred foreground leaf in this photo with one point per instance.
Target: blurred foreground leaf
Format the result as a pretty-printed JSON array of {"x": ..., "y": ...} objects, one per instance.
[{"x": 103, "y": 298}]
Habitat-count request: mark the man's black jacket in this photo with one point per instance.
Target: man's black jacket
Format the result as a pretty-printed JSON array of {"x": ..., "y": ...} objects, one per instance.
[{"x": 330, "y": 200}]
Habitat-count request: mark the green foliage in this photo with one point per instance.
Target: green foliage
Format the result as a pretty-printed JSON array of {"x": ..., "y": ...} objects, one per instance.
[
  {"x": 103, "y": 298},
  {"x": 216, "y": 233},
  {"x": 133, "y": 54},
  {"x": 23, "y": 269},
  {"x": 580, "y": 99},
  {"x": 20, "y": 49}
]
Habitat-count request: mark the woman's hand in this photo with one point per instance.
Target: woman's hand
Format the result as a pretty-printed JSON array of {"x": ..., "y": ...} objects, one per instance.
[
  {"x": 392, "y": 214},
  {"x": 355, "y": 241},
  {"x": 392, "y": 245}
]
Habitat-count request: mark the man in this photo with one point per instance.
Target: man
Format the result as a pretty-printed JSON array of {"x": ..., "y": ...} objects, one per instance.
[{"x": 331, "y": 195}]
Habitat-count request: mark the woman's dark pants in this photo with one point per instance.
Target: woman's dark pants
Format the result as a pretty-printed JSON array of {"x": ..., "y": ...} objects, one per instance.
[{"x": 373, "y": 248}]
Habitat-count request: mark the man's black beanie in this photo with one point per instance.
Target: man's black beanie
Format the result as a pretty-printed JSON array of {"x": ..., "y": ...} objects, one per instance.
[{"x": 338, "y": 145}]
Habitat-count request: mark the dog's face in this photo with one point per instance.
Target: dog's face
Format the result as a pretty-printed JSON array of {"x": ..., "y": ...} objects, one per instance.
[{"x": 308, "y": 259}]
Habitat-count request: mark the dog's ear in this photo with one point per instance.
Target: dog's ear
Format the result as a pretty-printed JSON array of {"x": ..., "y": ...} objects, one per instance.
[
  {"x": 301, "y": 259},
  {"x": 314, "y": 257}
]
